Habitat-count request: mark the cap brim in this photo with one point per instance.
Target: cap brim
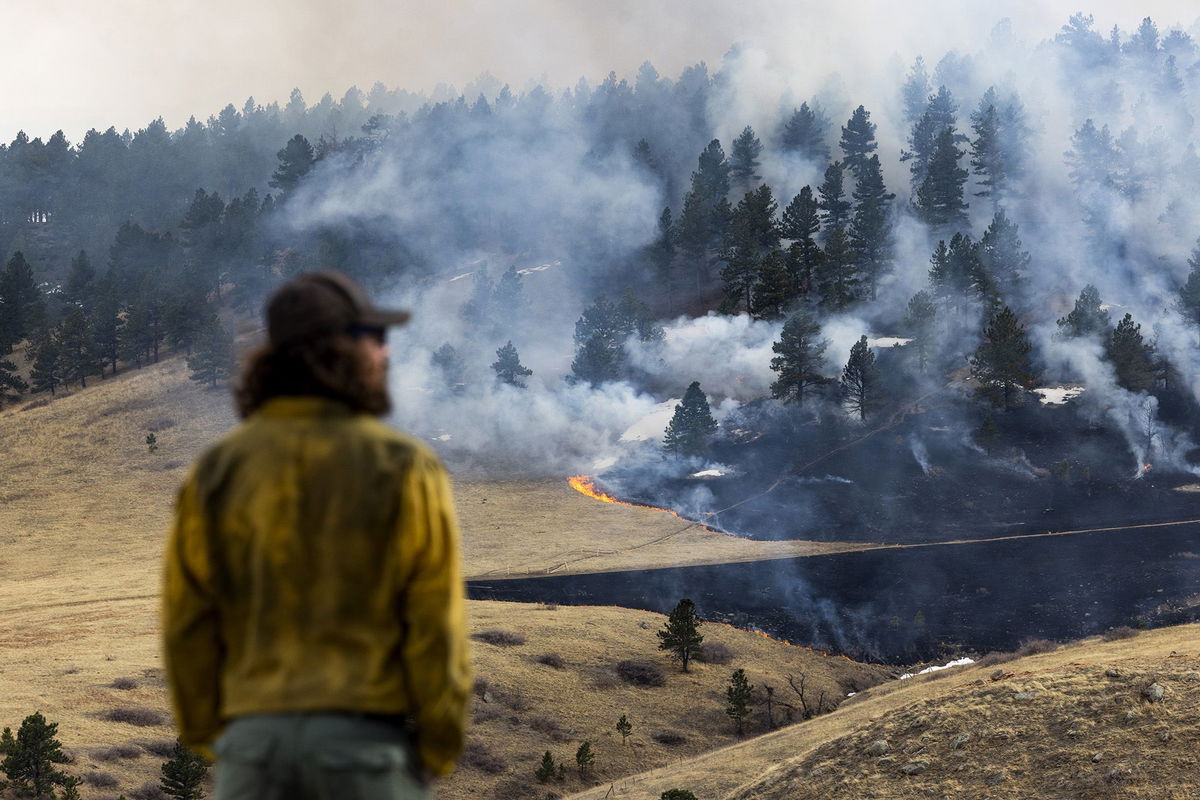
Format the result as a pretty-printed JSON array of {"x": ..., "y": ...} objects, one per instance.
[{"x": 386, "y": 317}]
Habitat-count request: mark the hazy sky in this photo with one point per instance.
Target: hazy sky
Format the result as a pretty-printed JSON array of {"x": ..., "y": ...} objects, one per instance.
[{"x": 125, "y": 62}]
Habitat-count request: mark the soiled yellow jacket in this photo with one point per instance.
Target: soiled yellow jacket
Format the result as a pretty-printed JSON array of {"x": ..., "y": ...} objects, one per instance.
[{"x": 314, "y": 565}]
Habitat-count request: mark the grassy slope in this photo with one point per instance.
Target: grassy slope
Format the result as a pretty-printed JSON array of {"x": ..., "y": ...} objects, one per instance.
[
  {"x": 1072, "y": 723},
  {"x": 83, "y": 511}
]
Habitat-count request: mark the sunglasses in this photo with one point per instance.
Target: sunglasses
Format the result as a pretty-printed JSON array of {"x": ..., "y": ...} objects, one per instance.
[{"x": 375, "y": 332}]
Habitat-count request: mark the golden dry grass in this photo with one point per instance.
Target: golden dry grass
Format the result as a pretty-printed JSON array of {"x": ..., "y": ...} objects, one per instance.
[
  {"x": 1055, "y": 725},
  {"x": 84, "y": 509}
]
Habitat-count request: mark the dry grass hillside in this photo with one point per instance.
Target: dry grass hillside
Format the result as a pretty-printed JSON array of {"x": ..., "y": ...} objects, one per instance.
[
  {"x": 1095, "y": 719},
  {"x": 84, "y": 508}
]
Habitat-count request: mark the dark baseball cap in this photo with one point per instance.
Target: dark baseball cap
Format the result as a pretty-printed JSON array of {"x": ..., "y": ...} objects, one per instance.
[{"x": 316, "y": 304}]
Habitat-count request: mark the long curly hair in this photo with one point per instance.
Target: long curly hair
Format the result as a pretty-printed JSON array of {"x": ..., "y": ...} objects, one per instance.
[{"x": 330, "y": 366}]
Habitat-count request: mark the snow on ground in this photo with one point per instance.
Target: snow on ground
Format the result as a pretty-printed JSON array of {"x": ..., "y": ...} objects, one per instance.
[
  {"x": 1058, "y": 395},
  {"x": 460, "y": 277},
  {"x": 958, "y": 662},
  {"x": 888, "y": 341},
  {"x": 538, "y": 268},
  {"x": 653, "y": 425},
  {"x": 708, "y": 473}
]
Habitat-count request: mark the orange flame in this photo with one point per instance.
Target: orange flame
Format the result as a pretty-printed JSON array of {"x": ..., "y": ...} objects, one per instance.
[{"x": 585, "y": 485}]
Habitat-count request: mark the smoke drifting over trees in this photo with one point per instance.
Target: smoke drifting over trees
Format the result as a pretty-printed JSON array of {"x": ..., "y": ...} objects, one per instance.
[{"x": 739, "y": 203}]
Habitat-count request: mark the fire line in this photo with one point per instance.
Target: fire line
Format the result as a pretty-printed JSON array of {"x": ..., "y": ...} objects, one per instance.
[{"x": 586, "y": 485}]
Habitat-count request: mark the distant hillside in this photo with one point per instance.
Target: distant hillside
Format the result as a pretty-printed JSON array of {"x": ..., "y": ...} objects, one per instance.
[{"x": 1095, "y": 719}]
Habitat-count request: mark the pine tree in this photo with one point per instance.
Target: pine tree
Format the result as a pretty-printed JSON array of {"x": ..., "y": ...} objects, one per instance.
[
  {"x": 871, "y": 226},
  {"x": 214, "y": 358},
  {"x": 753, "y": 232},
  {"x": 1002, "y": 257},
  {"x": 46, "y": 373},
  {"x": 915, "y": 91},
  {"x": 77, "y": 289},
  {"x": 183, "y": 774},
  {"x": 833, "y": 204},
  {"x": 107, "y": 322},
  {"x": 585, "y": 758},
  {"x": 738, "y": 695},
  {"x": 940, "y": 114},
  {"x": 838, "y": 279},
  {"x": 681, "y": 635},
  {"x": 858, "y": 140},
  {"x": 296, "y": 159},
  {"x": 508, "y": 367},
  {"x": 743, "y": 159},
  {"x": 20, "y": 302},
  {"x": 1001, "y": 362},
  {"x": 11, "y": 384},
  {"x": 77, "y": 357},
  {"x": 804, "y": 256},
  {"x": 662, "y": 252},
  {"x": 919, "y": 321},
  {"x": 775, "y": 287},
  {"x": 799, "y": 358},
  {"x": 691, "y": 425},
  {"x": 940, "y": 198},
  {"x": 29, "y": 758},
  {"x": 624, "y": 727},
  {"x": 479, "y": 310},
  {"x": 706, "y": 212},
  {"x": 450, "y": 365},
  {"x": 1088, "y": 318},
  {"x": 861, "y": 384},
  {"x": 508, "y": 298},
  {"x": 1132, "y": 358},
  {"x": 804, "y": 133},
  {"x": 1188, "y": 301},
  {"x": 546, "y": 769}
]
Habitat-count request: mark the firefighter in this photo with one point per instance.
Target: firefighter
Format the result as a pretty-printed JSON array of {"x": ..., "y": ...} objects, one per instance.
[{"x": 313, "y": 605}]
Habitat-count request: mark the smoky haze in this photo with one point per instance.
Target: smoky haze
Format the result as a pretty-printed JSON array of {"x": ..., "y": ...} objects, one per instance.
[
  {"x": 530, "y": 188},
  {"x": 76, "y": 66}
]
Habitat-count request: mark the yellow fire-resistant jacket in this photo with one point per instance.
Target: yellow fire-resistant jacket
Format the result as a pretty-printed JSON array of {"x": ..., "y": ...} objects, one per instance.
[{"x": 314, "y": 565}]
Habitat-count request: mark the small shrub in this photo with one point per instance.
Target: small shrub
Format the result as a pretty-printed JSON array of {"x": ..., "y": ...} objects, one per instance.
[
  {"x": 142, "y": 717},
  {"x": 477, "y": 755},
  {"x": 1121, "y": 632},
  {"x": 669, "y": 738},
  {"x": 45, "y": 401},
  {"x": 677, "y": 794},
  {"x": 483, "y": 689},
  {"x": 115, "y": 752},
  {"x": 513, "y": 698},
  {"x": 549, "y": 726},
  {"x": 101, "y": 780},
  {"x": 714, "y": 653},
  {"x": 551, "y": 660},
  {"x": 124, "y": 683},
  {"x": 995, "y": 657},
  {"x": 71, "y": 671},
  {"x": 641, "y": 673},
  {"x": 148, "y": 791},
  {"x": 486, "y": 713},
  {"x": 163, "y": 748},
  {"x": 1031, "y": 647},
  {"x": 499, "y": 638}
]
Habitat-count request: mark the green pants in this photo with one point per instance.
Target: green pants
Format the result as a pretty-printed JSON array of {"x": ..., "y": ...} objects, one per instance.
[{"x": 317, "y": 756}]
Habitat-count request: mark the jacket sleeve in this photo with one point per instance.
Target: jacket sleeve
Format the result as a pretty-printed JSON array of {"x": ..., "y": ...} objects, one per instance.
[
  {"x": 191, "y": 638},
  {"x": 436, "y": 659}
]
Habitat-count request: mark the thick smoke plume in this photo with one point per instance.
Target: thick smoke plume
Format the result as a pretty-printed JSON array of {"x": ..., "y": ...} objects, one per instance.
[{"x": 533, "y": 180}]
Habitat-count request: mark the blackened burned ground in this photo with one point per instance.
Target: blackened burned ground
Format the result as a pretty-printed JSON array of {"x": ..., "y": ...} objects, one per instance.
[
  {"x": 903, "y": 604},
  {"x": 1047, "y": 468}
]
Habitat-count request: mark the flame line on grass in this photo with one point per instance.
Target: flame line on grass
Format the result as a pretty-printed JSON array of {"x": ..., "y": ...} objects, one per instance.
[{"x": 586, "y": 485}]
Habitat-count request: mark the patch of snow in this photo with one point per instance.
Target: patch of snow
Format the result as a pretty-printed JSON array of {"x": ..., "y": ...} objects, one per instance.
[
  {"x": 958, "y": 662},
  {"x": 538, "y": 268},
  {"x": 888, "y": 341},
  {"x": 460, "y": 277},
  {"x": 652, "y": 426},
  {"x": 708, "y": 473},
  {"x": 1058, "y": 395}
]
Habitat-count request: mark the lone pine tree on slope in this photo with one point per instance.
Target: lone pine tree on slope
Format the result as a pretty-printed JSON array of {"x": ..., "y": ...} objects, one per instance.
[
  {"x": 687, "y": 433},
  {"x": 508, "y": 367},
  {"x": 681, "y": 635}
]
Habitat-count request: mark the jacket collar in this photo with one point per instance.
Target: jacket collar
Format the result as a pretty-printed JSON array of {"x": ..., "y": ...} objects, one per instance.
[{"x": 295, "y": 407}]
